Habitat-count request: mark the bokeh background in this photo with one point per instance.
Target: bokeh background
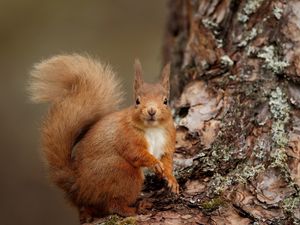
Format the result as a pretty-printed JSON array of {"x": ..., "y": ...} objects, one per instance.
[{"x": 117, "y": 31}]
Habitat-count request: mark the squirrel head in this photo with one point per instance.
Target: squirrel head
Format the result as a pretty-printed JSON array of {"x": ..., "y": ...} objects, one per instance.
[{"x": 151, "y": 100}]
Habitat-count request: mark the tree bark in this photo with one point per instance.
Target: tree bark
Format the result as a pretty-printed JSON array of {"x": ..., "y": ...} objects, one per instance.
[{"x": 236, "y": 99}]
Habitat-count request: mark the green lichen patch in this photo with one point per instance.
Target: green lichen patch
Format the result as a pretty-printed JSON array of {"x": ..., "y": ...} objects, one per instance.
[
  {"x": 279, "y": 158},
  {"x": 226, "y": 61},
  {"x": 279, "y": 105},
  {"x": 249, "y": 172},
  {"x": 222, "y": 153},
  {"x": 219, "y": 183},
  {"x": 251, "y": 51},
  {"x": 279, "y": 108},
  {"x": 272, "y": 59},
  {"x": 277, "y": 12},
  {"x": 250, "y": 7},
  {"x": 291, "y": 203},
  {"x": 209, "y": 24},
  {"x": 209, "y": 164},
  {"x": 260, "y": 149},
  {"x": 248, "y": 37},
  {"x": 279, "y": 135}
]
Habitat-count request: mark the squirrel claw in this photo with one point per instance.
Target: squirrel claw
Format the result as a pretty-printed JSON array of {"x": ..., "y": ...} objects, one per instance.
[
  {"x": 174, "y": 186},
  {"x": 158, "y": 168}
]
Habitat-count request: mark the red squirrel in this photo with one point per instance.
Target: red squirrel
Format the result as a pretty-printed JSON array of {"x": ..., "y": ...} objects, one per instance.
[{"x": 95, "y": 152}]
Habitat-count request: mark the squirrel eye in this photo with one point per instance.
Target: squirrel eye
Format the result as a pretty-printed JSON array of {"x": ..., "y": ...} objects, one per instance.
[
  {"x": 165, "y": 101},
  {"x": 137, "y": 102}
]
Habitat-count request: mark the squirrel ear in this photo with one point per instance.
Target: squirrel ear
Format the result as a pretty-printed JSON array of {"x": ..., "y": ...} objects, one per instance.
[
  {"x": 165, "y": 75},
  {"x": 138, "y": 80}
]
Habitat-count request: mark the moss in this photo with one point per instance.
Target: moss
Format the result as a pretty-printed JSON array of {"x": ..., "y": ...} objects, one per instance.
[
  {"x": 250, "y": 7},
  {"x": 272, "y": 59},
  {"x": 212, "y": 204},
  {"x": 128, "y": 221},
  {"x": 116, "y": 220},
  {"x": 111, "y": 221}
]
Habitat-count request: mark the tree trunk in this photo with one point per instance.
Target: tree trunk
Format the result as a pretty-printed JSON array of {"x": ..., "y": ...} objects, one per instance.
[{"x": 236, "y": 99}]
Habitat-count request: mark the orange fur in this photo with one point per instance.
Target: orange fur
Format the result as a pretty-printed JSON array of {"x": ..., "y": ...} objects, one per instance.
[{"x": 96, "y": 152}]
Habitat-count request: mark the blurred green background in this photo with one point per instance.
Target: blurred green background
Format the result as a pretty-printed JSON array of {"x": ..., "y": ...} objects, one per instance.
[{"x": 30, "y": 30}]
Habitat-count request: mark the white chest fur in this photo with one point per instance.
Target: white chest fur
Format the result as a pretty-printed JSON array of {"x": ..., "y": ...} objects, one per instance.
[{"x": 156, "y": 138}]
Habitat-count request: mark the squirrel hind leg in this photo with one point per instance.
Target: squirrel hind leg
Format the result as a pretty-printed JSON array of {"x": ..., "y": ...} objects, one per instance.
[
  {"x": 86, "y": 214},
  {"x": 121, "y": 207}
]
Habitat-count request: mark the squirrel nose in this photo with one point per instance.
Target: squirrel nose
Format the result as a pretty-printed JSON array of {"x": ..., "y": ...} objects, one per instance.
[{"x": 151, "y": 111}]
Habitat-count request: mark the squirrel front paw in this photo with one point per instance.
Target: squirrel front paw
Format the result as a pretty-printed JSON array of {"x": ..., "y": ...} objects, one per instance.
[
  {"x": 173, "y": 185},
  {"x": 158, "y": 168}
]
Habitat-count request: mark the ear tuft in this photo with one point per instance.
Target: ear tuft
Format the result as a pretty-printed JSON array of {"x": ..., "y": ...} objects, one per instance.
[
  {"x": 165, "y": 76},
  {"x": 138, "y": 80}
]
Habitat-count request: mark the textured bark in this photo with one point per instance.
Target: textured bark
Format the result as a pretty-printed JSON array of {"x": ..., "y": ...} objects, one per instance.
[{"x": 236, "y": 98}]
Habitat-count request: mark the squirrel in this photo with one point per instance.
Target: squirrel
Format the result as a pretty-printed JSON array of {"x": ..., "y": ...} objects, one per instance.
[{"x": 95, "y": 151}]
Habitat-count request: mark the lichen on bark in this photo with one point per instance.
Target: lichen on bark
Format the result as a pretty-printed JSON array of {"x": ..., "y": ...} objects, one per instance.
[
  {"x": 252, "y": 139},
  {"x": 235, "y": 81}
]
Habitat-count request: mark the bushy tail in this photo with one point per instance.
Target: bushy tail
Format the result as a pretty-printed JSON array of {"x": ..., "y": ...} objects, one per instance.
[{"x": 81, "y": 91}]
